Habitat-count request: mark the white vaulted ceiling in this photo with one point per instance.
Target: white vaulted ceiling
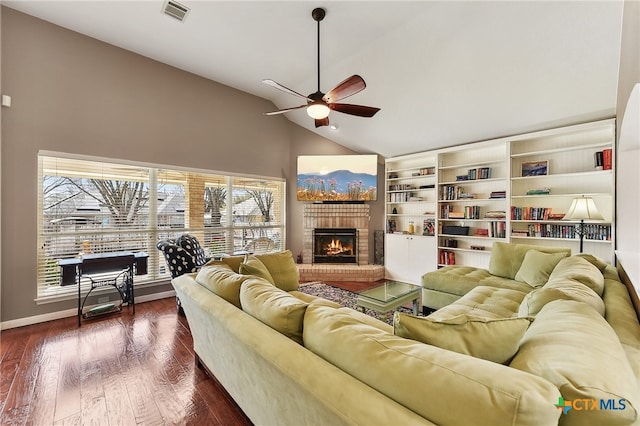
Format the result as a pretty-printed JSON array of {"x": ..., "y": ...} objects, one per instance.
[{"x": 442, "y": 72}]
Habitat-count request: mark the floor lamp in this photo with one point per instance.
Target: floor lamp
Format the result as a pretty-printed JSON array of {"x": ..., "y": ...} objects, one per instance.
[{"x": 582, "y": 208}]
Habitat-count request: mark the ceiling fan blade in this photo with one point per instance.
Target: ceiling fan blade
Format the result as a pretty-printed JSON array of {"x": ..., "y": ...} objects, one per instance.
[
  {"x": 350, "y": 86},
  {"x": 359, "y": 110},
  {"x": 322, "y": 122},
  {"x": 283, "y": 88},
  {"x": 282, "y": 111}
]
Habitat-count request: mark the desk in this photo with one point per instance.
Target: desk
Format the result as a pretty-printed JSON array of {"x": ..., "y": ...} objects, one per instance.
[
  {"x": 69, "y": 267},
  {"x": 114, "y": 269}
]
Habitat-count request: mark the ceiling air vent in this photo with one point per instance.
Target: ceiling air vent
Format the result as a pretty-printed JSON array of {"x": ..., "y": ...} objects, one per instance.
[{"x": 175, "y": 10}]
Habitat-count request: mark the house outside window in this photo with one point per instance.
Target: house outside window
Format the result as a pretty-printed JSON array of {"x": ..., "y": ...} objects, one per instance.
[{"x": 88, "y": 205}]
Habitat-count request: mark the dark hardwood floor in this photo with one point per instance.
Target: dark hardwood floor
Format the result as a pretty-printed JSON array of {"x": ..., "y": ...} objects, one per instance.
[{"x": 119, "y": 370}]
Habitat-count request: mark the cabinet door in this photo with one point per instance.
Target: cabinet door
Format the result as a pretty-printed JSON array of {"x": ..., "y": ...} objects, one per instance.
[
  {"x": 423, "y": 253},
  {"x": 396, "y": 250},
  {"x": 408, "y": 257}
]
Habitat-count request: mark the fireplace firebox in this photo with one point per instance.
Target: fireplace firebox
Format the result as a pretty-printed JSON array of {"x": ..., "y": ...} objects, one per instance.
[{"x": 335, "y": 245}]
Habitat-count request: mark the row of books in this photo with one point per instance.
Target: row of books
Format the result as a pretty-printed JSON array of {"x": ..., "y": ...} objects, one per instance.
[
  {"x": 497, "y": 229},
  {"x": 402, "y": 197},
  {"x": 602, "y": 160},
  {"x": 530, "y": 213},
  {"x": 447, "y": 257},
  {"x": 547, "y": 230},
  {"x": 474, "y": 174},
  {"x": 400, "y": 187},
  {"x": 498, "y": 194},
  {"x": 454, "y": 192}
]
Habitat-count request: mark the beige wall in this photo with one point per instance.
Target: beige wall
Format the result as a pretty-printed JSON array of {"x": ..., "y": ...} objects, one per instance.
[
  {"x": 628, "y": 172},
  {"x": 75, "y": 94}
]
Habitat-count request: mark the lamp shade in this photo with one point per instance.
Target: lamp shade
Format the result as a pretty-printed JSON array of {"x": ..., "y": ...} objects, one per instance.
[{"x": 583, "y": 208}]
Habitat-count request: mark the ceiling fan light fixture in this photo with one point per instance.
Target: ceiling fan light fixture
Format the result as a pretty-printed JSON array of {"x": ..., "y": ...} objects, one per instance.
[{"x": 318, "y": 110}]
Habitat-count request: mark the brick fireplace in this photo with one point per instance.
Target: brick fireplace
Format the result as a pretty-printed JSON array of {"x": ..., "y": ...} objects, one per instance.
[{"x": 337, "y": 216}]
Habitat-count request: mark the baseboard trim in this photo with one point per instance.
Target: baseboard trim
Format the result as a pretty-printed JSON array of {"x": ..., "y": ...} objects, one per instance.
[{"x": 21, "y": 322}]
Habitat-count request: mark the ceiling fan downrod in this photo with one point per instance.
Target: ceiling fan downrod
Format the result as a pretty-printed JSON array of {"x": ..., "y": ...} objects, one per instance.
[{"x": 318, "y": 15}]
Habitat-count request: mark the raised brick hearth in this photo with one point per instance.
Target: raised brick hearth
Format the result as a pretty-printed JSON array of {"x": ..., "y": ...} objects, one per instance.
[{"x": 335, "y": 272}]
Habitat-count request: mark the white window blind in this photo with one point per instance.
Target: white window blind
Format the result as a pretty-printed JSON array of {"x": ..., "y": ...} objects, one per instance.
[{"x": 95, "y": 206}]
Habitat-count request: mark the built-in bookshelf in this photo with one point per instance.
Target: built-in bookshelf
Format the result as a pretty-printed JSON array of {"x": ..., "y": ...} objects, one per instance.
[
  {"x": 461, "y": 200},
  {"x": 548, "y": 171},
  {"x": 410, "y": 214},
  {"x": 472, "y": 191}
]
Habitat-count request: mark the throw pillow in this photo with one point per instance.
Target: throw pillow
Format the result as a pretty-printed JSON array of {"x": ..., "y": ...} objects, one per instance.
[
  {"x": 282, "y": 268},
  {"x": 251, "y": 265},
  {"x": 506, "y": 258},
  {"x": 493, "y": 340},
  {"x": 222, "y": 281},
  {"x": 274, "y": 307},
  {"x": 537, "y": 266}
]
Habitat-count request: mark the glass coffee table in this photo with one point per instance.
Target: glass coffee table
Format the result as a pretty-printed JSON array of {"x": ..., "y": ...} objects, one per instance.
[{"x": 389, "y": 296}]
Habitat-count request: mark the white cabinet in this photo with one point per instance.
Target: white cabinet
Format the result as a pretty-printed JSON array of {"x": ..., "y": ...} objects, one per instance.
[{"x": 408, "y": 257}]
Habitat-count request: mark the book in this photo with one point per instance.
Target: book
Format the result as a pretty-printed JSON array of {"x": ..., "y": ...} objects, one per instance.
[
  {"x": 607, "y": 159},
  {"x": 598, "y": 160}
]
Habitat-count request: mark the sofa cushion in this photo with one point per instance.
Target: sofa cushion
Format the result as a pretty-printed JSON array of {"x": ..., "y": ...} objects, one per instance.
[
  {"x": 579, "y": 269},
  {"x": 251, "y": 265},
  {"x": 483, "y": 302},
  {"x": 443, "y": 386},
  {"x": 594, "y": 260},
  {"x": 506, "y": 258},
  {"x": 309, "y": 298},
  {"x": 456, "y": 280},
  {"x": 537, "y": 266},
  {"x": 493, "y": 340},
  {"x": 221, "y": 280},
  {"x": 274, "y": 307},
  {"x": 282, "y": 268},
  {"x": 560, "y": 288},
  {"x": 551, "y": 349},
  {"x": 622, "y": 317}
]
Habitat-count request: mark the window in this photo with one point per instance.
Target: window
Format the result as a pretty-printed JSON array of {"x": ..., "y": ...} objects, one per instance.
[{"x": 88, "y": 205}]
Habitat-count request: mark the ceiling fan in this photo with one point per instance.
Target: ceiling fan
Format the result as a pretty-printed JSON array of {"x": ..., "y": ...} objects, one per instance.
[{"x": 320, "y": 104}]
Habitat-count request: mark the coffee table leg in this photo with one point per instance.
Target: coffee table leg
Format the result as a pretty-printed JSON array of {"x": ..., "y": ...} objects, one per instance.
[{"x": 415, "y": 307}]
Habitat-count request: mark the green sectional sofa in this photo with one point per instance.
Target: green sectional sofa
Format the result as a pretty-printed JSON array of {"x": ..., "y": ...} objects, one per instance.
[{"x": 496, "y": 356}]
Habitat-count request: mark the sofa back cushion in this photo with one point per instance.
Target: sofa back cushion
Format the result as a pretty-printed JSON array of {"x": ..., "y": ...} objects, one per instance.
[
  {"x": 560, "y": 288},
  {"x": 506, "y": 258},
  {"x": 443, "y": 386},
  {"x": 221, "y": 280},
  {"x": 572, "y": 346},
  {"x": 495, "y": 340},
  {"x": 282, "y": 268},
  {"x": 274, "y": 307},
  {"x": 578, "y": 269},
  {"x": 251, "y": 265}
]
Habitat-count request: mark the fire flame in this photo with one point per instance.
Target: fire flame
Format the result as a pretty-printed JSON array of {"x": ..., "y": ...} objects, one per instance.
[{"x": 336, "y": 247}]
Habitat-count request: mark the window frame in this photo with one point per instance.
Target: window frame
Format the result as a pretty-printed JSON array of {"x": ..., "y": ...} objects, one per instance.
[{"x": 154, "y": 231}]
